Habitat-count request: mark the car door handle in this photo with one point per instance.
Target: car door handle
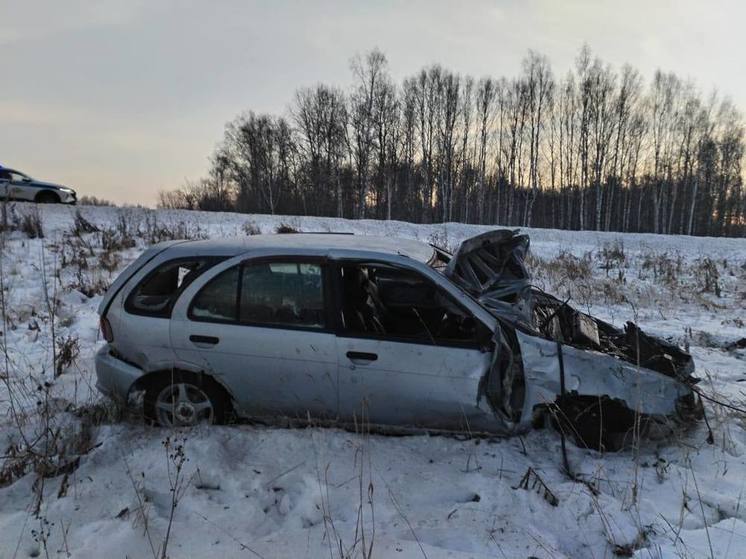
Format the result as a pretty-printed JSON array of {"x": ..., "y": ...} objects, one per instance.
[
  {"x": 361, "y": 356},
  {"x": 210, "y": 340}
]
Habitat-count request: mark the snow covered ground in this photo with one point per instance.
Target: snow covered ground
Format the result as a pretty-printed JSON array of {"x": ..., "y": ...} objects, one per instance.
[{"x": 81, "y": 479}]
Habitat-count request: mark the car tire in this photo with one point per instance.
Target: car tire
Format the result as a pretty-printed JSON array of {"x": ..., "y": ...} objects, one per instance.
[
  {"x": 47, "y": 197},
  {"x": 181, "y": 399}
]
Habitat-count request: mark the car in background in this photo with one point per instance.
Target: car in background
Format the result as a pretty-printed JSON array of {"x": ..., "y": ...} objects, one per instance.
[
  {"x": 15, "y": 185},
  {"x": 390, "y": 332}
]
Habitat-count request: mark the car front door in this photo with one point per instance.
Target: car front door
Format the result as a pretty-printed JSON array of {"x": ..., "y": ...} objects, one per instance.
[
  {"x": 408, "y": 354},
  {"x": 261, "y": 328},
  {"x": 20, "y": 187}
]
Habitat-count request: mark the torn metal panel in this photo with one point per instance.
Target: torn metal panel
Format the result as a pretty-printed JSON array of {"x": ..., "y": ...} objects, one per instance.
[
  {"x": 491, "y": 265},
  {"x": 559, "y": 321},
  {"x": 592, "y": 373},
  {"x": 503, "y": 383},
  {"x": 547, "y": 352}
]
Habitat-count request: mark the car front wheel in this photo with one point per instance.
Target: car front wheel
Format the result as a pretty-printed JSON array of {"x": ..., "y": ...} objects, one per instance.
[
  {"x": 184, "y": 400},
  {"x": 47, "y": 197}
]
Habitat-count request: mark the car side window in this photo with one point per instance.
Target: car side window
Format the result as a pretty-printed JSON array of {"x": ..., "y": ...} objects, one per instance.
[
  {"x": 4, "y": 175},
  {"x": 17, "y": 177},
  {"x": 264, "y": 293},
  {"x": 282, "y": 293},
  {"x": 216, "y": 301},
  {"x": 386, "y": 302},
  {"x": 156, "y": 294}
]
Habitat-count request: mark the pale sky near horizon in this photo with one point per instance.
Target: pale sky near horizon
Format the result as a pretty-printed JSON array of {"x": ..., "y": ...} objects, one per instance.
[{"x": 121, "y": 99}]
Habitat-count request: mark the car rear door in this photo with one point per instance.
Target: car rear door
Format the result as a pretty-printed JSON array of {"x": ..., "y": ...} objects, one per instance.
[
  {"x": 261, "y": 328},
  {"x": 392, "y": 372}
]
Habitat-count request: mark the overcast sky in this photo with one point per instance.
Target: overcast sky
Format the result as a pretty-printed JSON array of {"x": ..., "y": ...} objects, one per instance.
[{"x": 121, "y": 99}]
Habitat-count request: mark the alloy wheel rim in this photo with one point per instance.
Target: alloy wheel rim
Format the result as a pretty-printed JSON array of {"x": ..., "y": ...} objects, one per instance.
[{"x": 182, "y": 404}]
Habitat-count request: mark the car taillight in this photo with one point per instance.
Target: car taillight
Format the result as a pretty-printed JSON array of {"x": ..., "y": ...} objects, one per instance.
[{"x": 106, "y": 330}]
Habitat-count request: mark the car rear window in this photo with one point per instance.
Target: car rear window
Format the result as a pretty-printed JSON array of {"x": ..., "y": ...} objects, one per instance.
[{"x": 156, "y": 294}]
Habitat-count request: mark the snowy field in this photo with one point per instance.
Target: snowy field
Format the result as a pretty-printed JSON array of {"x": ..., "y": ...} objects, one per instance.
[{"x": 79, "y": 478}]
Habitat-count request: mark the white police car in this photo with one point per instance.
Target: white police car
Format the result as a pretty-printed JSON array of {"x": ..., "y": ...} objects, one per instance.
[{"x": 15, "y": 185}]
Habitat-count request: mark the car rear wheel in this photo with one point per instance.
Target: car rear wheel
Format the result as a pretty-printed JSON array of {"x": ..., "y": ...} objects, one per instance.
[
  {"x": 185, "y": 400},
  {"x": 47, "y": 197}
]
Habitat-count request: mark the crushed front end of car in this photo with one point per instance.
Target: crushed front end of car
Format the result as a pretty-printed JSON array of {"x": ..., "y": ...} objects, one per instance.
[{"x": 598, "y": 383}]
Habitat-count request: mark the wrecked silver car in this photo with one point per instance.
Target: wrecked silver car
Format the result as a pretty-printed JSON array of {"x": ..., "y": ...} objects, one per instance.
[{"x": 391, "y": 332}]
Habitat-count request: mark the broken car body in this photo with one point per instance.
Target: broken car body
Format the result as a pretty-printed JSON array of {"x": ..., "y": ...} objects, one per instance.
[{"x": 393, "y": 332}]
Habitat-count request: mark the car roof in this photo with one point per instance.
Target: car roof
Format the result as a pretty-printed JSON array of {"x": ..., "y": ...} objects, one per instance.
[{"x": 312, "y": 244}]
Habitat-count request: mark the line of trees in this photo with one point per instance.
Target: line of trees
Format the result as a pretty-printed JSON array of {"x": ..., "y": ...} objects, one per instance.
[{"x": 595, "y": 149}]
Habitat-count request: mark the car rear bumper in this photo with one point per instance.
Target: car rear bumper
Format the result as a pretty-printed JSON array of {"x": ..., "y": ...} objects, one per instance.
[{"x": 114, "y": 376}]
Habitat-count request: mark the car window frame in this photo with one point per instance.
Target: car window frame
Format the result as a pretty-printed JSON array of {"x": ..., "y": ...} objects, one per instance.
[
  {"x": 327, "y": 295},
  {"x": 338, "y": 303},
  {"x": 20, "y": 179},
  {"x": 128, "y": 306}
]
